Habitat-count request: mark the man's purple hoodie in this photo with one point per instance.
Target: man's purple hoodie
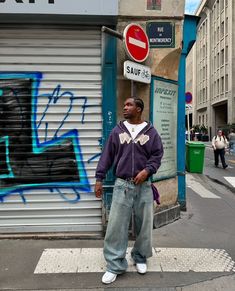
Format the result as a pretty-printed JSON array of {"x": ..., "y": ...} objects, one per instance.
[{"x": 130, "y": 156}]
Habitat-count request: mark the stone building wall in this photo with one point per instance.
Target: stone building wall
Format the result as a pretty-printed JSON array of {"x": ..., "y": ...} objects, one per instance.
[{"x": 164, "y": 62}]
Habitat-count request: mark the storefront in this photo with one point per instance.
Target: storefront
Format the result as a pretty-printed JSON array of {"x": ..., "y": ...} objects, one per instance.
[{"x": 56, "y": 71}]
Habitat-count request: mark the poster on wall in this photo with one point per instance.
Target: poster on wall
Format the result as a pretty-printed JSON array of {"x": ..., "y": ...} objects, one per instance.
[
  {"x": 153, "y": 4},
  {"x": 164, "y": 118}
]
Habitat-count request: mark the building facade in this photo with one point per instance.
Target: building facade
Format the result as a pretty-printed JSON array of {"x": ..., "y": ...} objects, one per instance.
[
  {"x": 213, "y": 62},
  {"x": 62, "y": 90},
  {"x": 54, "y": 65}
]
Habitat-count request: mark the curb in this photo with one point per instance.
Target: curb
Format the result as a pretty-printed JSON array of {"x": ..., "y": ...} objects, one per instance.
[
  {"x": 166, "y": 216},
  {"x": 230, "y": 188}
]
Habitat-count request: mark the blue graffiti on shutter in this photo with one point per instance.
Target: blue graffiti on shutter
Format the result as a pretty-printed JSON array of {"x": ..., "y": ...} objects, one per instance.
[{"x": 25, "y": 162}]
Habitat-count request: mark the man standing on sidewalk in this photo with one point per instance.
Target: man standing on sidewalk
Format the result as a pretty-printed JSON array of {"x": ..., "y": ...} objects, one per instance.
[
  {"x": 219, "y": 144},
  {"x": 135, "y": 150}
]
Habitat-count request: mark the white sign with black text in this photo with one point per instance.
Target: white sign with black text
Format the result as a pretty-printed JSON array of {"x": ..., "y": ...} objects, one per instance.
[{"x": 137, "y": 72}]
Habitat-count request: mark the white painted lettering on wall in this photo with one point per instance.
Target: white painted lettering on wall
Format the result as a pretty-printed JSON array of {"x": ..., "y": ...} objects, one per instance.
[
  {"x": 58, "y": 7},
  {"x": 29, "y": 1}
]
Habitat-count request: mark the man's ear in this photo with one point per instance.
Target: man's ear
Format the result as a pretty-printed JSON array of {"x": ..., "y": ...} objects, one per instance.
[{"x": 138, "y": 109}]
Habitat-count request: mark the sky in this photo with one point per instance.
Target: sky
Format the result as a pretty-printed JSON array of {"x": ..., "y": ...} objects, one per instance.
[{"x": 191, "y": 6}]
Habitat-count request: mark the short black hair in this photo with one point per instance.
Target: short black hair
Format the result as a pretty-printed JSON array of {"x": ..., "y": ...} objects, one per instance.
[{"x": 139, "y": 103}]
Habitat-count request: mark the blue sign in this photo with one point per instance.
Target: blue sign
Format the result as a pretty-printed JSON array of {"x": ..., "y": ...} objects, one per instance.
[
  {"x": 161, "y": 34},
  {"x": 188, "y": 97}
]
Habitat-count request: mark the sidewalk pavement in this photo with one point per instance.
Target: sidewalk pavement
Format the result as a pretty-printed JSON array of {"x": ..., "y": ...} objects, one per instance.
[
  {"x": 207, "y": 144},
  {"x": 20, "y": 258}
]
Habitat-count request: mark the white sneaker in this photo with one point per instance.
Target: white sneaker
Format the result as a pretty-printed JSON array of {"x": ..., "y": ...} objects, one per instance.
[
  {"x": 108, "y": 277},
  {"x": 141, "y": 268}
]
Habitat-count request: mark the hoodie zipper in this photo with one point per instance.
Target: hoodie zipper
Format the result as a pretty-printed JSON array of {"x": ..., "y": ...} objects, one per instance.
[
  {"x": 133, "y": 150},
  {"x": 133, "y": 158}
]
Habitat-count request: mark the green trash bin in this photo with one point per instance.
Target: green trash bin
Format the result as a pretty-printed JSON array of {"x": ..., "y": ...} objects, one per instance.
[{"x": 195, "y": 156}]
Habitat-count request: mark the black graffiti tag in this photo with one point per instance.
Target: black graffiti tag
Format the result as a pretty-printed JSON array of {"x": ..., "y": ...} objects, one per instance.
[{"x": 56, "y": 164}]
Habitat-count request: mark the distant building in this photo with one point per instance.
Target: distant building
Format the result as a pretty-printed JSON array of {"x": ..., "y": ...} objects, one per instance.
[{"x": 213, "y": 66}]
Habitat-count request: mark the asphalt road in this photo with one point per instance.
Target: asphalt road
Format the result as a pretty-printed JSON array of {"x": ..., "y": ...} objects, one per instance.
[{"x": 219, "y": 174}]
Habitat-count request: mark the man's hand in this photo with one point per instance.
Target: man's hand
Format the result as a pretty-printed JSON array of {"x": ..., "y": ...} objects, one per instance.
[
  {"x": 141, "y": 177},
  {"x": 98, "y": 189}
]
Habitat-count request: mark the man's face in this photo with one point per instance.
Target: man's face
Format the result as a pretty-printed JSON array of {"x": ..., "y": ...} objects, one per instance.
[
  {"x": 220, "y": 132},
  {"x": 130, "y": 109}
]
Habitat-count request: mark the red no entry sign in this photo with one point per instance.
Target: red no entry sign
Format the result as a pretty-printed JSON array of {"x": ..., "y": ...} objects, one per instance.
[{"x": 136, "y": 42}]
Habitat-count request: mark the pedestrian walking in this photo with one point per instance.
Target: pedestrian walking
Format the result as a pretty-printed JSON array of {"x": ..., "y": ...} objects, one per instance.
[
  {"x": 219, "y": 144},
  {"x": 135, "y": 150},
  {"x": 231, "y": 138}
]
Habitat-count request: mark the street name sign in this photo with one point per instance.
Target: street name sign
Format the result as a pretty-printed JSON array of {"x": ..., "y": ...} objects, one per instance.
[
  {"x": 137, "y": 72},
  {"x": 136, "y": 42},
  {"x": 161, "y": 34}
]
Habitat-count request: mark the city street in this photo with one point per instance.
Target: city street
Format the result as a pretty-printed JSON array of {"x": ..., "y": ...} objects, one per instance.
[
  {"x": 70, "y": 71},
  {"x": 219, "y": 174},
  {"x": 197, "y": 252}
]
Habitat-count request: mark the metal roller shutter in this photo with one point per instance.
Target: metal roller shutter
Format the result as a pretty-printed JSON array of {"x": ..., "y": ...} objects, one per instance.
[{"x": 50, "y": 128}]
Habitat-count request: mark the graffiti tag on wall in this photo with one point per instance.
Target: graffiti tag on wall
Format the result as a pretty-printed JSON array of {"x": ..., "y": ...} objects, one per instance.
[{"x": 25, "y": 162}]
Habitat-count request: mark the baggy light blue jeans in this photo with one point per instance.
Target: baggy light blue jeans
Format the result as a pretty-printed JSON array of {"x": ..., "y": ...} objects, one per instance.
[{"x": 128, "y": 197}]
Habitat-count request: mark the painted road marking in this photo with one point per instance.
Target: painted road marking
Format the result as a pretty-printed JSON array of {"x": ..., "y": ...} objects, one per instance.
[
  {"x": 137, "y": 42},
  {"x": 231, "y": 180},
  {"x": 199, "y": 189},
  {"x": 85, "y": 260}
]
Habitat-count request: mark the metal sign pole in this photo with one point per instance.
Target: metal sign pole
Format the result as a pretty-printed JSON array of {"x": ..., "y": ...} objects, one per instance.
[
  {"x": 112, "y": 32},
  {"x": 133, "y": 88}
]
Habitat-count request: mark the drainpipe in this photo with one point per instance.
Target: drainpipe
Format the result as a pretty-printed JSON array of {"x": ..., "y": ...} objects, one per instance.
[{"x": 189, "y": 38}]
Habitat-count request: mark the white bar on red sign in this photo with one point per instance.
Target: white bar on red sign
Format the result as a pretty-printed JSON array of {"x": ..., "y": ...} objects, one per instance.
[{"x": 137, "y": 42}]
